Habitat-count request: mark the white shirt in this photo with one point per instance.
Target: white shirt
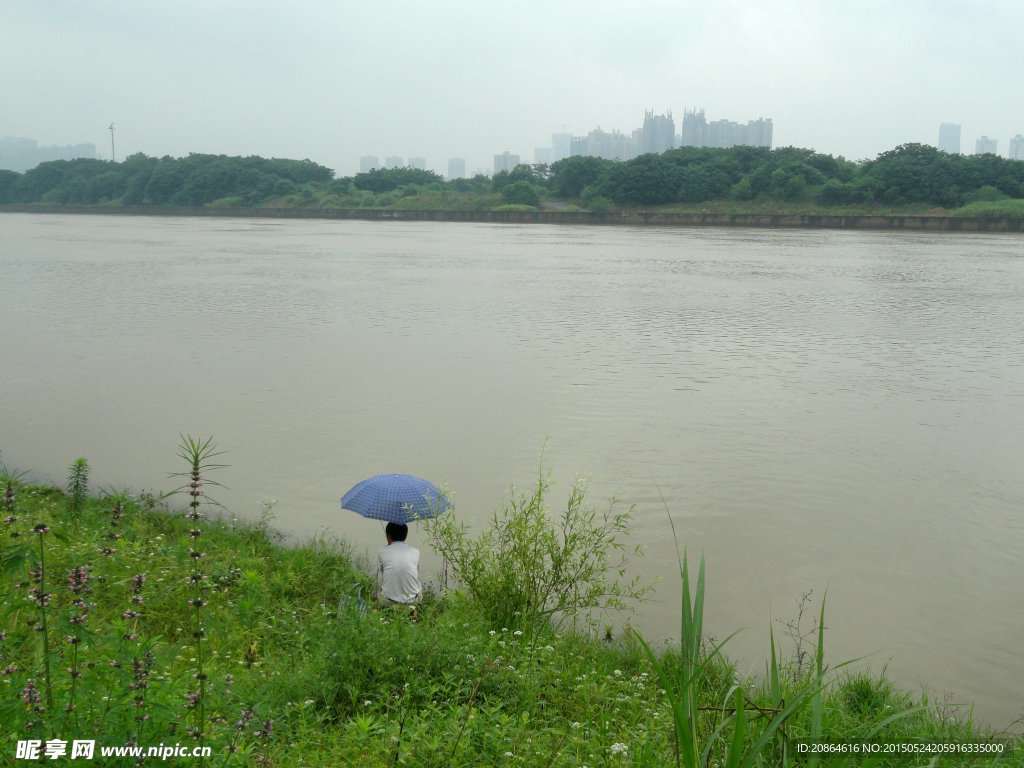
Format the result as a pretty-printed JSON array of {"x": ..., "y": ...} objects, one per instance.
[{"x": 400, "y": 572}]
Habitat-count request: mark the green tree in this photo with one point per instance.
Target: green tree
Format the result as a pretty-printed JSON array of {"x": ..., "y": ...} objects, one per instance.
[
  {"x": 165, "y": 181},
  {"x": 521, "y": 193},
  {"x": 915, "y": 173},
  {"x": 387, "y": 179},
  {"x": 646, "y": 180},
  {"x": 7, "y": 181},
  {"x": 571, "y": 175}
]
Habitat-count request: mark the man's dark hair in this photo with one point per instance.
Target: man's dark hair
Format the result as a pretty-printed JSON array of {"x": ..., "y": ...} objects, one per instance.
[{"x": 396, "y": 531}]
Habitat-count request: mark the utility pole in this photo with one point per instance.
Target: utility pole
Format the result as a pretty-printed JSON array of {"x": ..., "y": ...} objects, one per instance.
[{"x": 113, "y": 156}]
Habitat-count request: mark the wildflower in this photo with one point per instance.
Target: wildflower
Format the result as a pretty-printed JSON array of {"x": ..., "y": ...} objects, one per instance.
[
  {"x": 31, "y": 696},
  {"x": 247, "y": 715},
  {"x": 618, "y": 748},
  {"x": 265, "y": 730},
  {"x": 138, "y": 582}
]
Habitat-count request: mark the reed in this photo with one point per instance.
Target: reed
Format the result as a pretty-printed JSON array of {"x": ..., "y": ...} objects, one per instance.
[
  {"x": 77, "y": 488},
  {"x": 199, "y": 456}
]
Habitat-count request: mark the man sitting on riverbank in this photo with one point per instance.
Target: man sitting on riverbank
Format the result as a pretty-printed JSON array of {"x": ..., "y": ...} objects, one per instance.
[{"x": 399, "y": 569}]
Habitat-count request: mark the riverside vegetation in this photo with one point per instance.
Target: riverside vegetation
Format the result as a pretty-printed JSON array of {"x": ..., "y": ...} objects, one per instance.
[
  {"x": 131, "y": 621},
  {"x": 910, "y": 179}
]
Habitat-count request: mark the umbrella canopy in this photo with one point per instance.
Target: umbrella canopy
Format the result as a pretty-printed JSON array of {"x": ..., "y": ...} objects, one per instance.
[{"x": 395, "y": 498}]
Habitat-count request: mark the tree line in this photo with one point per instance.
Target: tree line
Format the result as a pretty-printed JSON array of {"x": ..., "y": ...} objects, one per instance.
[
  {"x": 907, "y": 175},
  {"x": 194, "y": 180},
  {"x": 911, "y": 173}
]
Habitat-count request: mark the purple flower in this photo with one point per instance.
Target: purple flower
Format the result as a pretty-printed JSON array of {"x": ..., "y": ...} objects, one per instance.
[
  {"x": 265, "y": 730},
  {"x": 78, "y": 580}
]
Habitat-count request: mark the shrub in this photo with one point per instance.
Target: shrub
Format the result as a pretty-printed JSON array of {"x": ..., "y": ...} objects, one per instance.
[
  {"x": 529, "y": 569},
  {"x": 520, "y": 193},
  {"x": 999, "y": 209}
]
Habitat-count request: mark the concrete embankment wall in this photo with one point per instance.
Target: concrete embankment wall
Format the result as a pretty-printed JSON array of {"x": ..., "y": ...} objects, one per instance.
[{"x": 920, "y": 223}]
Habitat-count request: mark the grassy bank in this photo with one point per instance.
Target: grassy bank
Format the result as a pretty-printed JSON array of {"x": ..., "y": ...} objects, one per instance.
[{"x": 135, "y": 620}]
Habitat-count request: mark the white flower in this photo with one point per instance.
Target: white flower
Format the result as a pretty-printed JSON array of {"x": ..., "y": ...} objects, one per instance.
[
  {"x": 518, "y": 632},
  {"x": 491, "y": 633},
  {"x": 618, "y": 748},
  {"x": 618, "y": 673},
  {"x": 367, "y": 703}
]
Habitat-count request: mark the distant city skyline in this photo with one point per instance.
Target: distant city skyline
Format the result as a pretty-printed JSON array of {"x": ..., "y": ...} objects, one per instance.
[
  {"x": 657, "y": 134},
  {"x": 332, "y": 82},
  {"x": 22, "y": 153}
]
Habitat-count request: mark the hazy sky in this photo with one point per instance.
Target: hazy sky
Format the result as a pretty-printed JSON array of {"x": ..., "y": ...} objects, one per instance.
[{"x": 332, "y": 80}]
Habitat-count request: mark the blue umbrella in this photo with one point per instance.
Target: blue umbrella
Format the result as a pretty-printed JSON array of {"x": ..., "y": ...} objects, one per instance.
[{"x": 395, "y": 498}]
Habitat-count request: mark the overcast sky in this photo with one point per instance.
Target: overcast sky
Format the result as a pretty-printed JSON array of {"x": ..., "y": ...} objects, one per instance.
[{"x": 333, "y": 80}]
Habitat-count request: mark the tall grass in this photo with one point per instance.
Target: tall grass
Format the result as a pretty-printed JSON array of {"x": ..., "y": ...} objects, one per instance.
[
  {"x": 291, "y": 680},
  {"x": 994, "y": 209}
]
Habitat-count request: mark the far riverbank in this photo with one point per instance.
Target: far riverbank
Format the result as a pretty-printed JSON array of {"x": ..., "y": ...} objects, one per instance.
[{"x": 908, "y": 222}]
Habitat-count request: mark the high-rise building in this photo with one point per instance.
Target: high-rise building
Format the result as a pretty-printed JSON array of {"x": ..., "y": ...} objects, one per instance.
[
  {"x": 726, "y": 133},
  {"x": 698, "y": 132},
  {"x": 1017, "y": 147},
  {"x": 560, "y": 146},
  {"x": 578, "y": 146},
  {"x": 457, "y": 168},
  {"x": 659, "y": 133},
  {"x": 368, "y": 163},
  {"x": 949, "y": 138},
  {"x": 985, "y": 146},
  {"x": 609, "y": 146},
  {"x": 694, "y": 129},
  {"x": 505, "y": 161},
  {"x": 759, "y": 132},
  {"x": 17, "y": 154},
  {"x": 394, "y": 162}
]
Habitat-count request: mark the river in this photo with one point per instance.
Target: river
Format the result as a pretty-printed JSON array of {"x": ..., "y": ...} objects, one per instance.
[{"x": 819, "y": 411}]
